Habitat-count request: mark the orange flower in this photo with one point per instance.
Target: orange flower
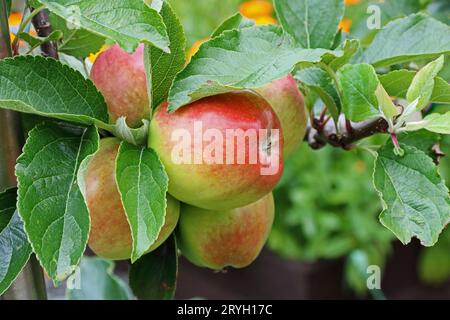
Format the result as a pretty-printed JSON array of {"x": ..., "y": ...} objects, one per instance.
[
  {"x": 256, "y": 8},
  {"x": 195, "y": 47},
  {"x": 345, "y": 25},
  {"x": 94, "y": 56},
  {"x": 14, "y": 19},
  {"x": 265, "y": 20},
  {"x": 351, "y": 2}
]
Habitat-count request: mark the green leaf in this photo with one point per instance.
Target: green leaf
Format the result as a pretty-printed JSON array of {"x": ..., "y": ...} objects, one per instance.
[
  {"x": 142, "y": 183},
  {"x": 350, "y": 48},
  {"x": 135, "y": 136},
  {"x": 127, "y": 22},
  {"x": 391, "y": 10},
  {"x": 423, "y": 83},
  {"x": 397, "y": 83},
  {"x": 14, "y": 246},
  {"x": 49, "y": 88},
  {"x": 240, "y": 59},
  {"x": 163, "y": 67},
  {"x": 359, "y": 83},
  {"x": 441, "y": 91},
  {"x": 422, "y": 139},
  {"x": 201, "y": 18},
  {"x": 439, "y": 123},
  {"x": 417, "y": 36},
  {"x": 8, "y": 199},
  {"x": 321, "y": 83},
  {"x": 82, "y": 67},
  {"x": 8, "y": 7},
  {"x": 234, "y": 22},
  {"x": 435, "y": 122},
  {"x": 440, "y": 9},
  {"x": 76, "y": 42},
  {"x": 50, "y": 202},
  {"x": 35, "y": 42},
  {"x": 385, "y": 102},
  {"x": 154, "y": 276},
  {"x": 313, "y": 23},
  {"x": 15, "y": 251},
  {"x": 415, "y": 199},
  {"x": 97, "y": 281}
]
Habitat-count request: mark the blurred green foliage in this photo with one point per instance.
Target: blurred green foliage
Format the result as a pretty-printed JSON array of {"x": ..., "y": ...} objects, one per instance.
[
  {"x": 434, "y": 263},
  {"x": 390, "y": 10},
  {"x": 326, "y": 207},
  {"x": 201, "y": 17}
]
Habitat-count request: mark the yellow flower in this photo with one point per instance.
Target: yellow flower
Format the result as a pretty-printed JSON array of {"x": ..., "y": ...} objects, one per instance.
[
  {"x": 265, "y": 20},
  {"x": 195, "y": 47},
  {"x": 351, "y": 2},
  {"x": 256, "y": 8},
  {"x": 345, "y": 25},
  {"x": 94, "y": 56}
]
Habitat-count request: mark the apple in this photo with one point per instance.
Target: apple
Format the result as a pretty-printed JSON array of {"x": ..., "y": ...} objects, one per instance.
[
  {"x": 110, "y": 235},
  {"x": 288, "y": 103},
  {"x": 228, "y": 238},
  {"x": 208, "y": 167},
  {"x": 120, "y": 77}
]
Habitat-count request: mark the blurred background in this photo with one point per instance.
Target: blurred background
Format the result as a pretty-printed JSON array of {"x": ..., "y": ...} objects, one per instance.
[{"x": 326, "y": 231}]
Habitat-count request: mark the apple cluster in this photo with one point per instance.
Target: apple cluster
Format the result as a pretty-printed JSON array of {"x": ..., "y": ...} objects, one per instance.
[{"x": 222, "y": 213}]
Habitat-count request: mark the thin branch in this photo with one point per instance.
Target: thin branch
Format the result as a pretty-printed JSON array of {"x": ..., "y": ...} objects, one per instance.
[
  {"x": 44, "y": 29},
  {"x": 30, "y": 283},
  {"x": 5, "y": 40},
  {"x": 319, "y": 136}
]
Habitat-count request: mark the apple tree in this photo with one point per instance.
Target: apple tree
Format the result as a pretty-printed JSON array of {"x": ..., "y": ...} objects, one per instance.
[{"x": 96, "y": 168}]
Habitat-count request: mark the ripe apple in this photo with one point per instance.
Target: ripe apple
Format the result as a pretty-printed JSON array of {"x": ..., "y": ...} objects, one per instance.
[
  {"x": 120, "y": 77},
  {"x": 288, "y": 103},
  {"x": 218, "y": 239},
  {"x": 207, "y": 165},
  {"x": 110, "y": 235}
]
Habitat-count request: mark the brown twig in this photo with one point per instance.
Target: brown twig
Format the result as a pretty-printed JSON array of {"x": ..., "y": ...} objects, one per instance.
[
  {"x": 5, "y": 41},
  {"x": 319, "y": 136},
  {"x": 44, "y": 29}
]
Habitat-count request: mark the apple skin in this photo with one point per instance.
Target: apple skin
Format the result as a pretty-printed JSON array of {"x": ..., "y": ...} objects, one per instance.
[
  {"x": 220, "y": 239},
  {"x": 120, "y": 77},
  {"x": 110, "y": 235},
  {"x": 217, "y": 186},
  {"x": 288, "y": 103}
]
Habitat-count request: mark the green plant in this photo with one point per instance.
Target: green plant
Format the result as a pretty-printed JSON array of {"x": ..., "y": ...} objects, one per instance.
[
  {"x": 326, "y": 209},
  {"x": 348, "y": 86}
]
